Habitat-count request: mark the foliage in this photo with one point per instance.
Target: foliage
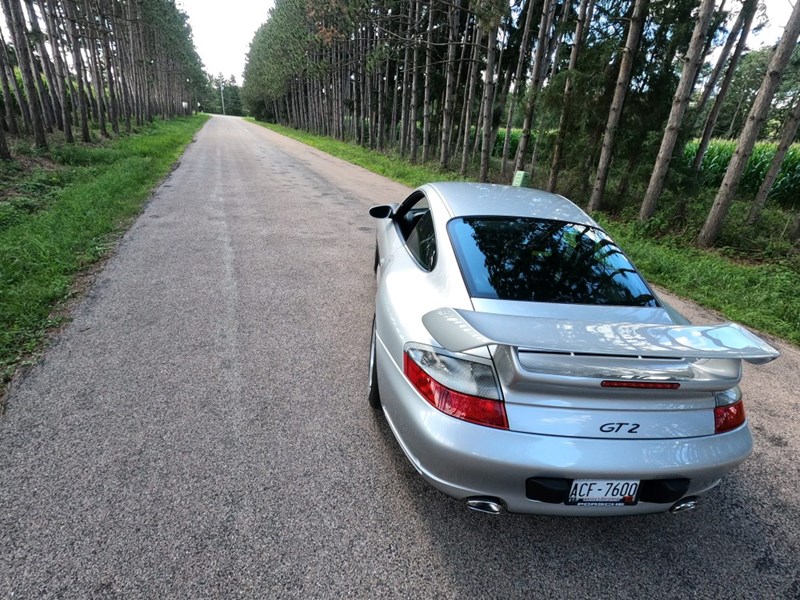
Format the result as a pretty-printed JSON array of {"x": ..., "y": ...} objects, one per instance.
[
  {"x": 786, "y": 189},
  {"x": 221, "y": 90},
  {"x": 94, "y": 65},
  {"x": 59, "y": 220},
  {"x": 744, "y": 86},
  {"x": 513, "y": 143},
  {"x": 378, "y": 72}
]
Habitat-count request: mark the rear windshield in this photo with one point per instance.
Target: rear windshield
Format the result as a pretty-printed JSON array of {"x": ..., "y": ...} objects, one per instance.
[{"x": 511, "y": 258}]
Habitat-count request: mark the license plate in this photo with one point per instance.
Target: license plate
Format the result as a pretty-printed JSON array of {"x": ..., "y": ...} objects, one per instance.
[{"x": 603, "y": 492}]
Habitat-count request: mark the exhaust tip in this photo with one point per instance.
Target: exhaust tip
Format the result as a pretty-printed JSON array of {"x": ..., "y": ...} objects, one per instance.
[
  {"x": 684, "y": 505},
  {"x": 492, "y": 506}
]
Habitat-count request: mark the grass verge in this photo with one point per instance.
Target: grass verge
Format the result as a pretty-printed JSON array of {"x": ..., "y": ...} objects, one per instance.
[
  {"x": 62, "y": 212},
  {"x": 763, "y": 296}
]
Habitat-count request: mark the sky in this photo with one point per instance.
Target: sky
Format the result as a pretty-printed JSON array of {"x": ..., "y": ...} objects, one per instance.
[{"x": 223, "y": 29}]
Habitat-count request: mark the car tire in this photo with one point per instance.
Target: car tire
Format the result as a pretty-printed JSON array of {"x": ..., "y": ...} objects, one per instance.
[
  {"x": 377, "y": 258},
  {"x": 373, "y": 397}
]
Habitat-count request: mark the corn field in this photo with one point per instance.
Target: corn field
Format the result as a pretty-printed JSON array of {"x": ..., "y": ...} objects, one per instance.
[{"x": 785, "y": 191}]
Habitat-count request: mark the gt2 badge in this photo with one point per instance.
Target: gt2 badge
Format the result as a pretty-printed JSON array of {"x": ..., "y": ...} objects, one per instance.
[{"x": 617, "y": 427}]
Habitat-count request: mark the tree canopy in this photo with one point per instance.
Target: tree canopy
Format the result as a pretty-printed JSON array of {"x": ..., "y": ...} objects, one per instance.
[
  {"x": 94, "y": 63},
  {"x": 457, "y": 79}
]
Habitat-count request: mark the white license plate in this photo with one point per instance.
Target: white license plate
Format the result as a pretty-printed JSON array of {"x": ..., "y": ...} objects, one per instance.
[{"x": 603, "y": 492}]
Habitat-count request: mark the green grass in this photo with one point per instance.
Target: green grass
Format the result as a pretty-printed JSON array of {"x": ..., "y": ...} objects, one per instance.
[
  {"x": 62, "y": 216},
  {"x": 763, "y": 296}
]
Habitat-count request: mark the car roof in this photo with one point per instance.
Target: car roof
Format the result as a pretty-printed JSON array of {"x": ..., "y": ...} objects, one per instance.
[{"x": 481, "y": 199}]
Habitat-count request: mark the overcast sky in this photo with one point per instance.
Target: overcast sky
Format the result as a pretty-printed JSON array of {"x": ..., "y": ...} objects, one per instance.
[{"x": 223, "y": 29}]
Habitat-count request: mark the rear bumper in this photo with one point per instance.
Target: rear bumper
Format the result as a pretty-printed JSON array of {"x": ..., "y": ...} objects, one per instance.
[{"x": 463, "y": 460}]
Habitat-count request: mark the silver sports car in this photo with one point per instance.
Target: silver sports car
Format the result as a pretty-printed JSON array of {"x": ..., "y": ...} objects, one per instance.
[{"x": 524, "y": 364}]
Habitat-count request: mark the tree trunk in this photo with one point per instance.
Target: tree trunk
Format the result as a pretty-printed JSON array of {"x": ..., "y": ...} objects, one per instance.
[
  {"x": 453, "y": 18},
  {"x": 749, "y": 10},
  {"x": 77, "y": 59},
  {"x": 755, "y": 121},
  {"x": 414, "y": 137},
  {"x": 113, "y": 105},
  {"x": 523, "y": 52},
  {"x": 16, "y": 24},
  {"x": 405, "y": 104},
  {"x": 794, "y": 232},
  {"x": 555, "y": 166},
  {"x": 680, "y": 101},
  {"x": 548, "y": 8},
  {"x": 19, "y": 96},
  {"x": 787, "y": 137},
  {"x": 488, "y": 105},
  {"x": 426, "y": 99},
  {"x": 51, "y": 93},
  {"x": 473, "y": 80},
  {"x": 395, "y": 96},
  {"x": 48, "y": 114},
  {"x": 721, "y": 60},
  {"x": 58, "y": 67},
  {"x": 4, "y": 152},
  {"x": 8, "y": 105},
  {"x": 623, "y": 80},
  {"x": 99, "y": 85}
]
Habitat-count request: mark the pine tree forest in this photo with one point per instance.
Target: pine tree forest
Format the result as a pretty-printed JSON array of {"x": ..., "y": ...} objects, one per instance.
[
  {"x": 74, "y": 67},
  {"x": 617, "y": 104}
]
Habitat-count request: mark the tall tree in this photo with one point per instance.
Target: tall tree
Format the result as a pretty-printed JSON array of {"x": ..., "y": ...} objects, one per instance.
[
  {"x": 427, "y": 109},
  {"x": 524, "y": 50},
  {"x": 555, "y": 165},
  {"x": 680, "y": 101},
  {"x": 453, "y": 19},
  {"x": 474, "y": 71},
  {"x": 16, "y": 23},
  {"x": 748, "y": 12},
  {"x": 5, "y": 154},
  {"x": 11, "y": 117},
  {"x": 48, "y": 92},
  {"x": 488, "y": 102},
  {"x": 755, "y": 121},
  {"x": 548, "y": 10},
  {"x": 77, "y": 58},
  {"x": 722, "y": 59},
  {"x": 621, "y": 89}
]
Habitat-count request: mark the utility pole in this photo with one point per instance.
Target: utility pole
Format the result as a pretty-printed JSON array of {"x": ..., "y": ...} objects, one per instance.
[{"x": 222, "y": 93}]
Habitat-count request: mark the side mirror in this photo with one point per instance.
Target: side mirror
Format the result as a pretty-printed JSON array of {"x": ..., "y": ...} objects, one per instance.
[{"x": 382, "y": 211}]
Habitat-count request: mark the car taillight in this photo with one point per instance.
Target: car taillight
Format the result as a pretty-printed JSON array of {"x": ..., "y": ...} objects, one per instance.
[
  {"x": 464, "y": 389},
  {"x": 729, "y": 411}
]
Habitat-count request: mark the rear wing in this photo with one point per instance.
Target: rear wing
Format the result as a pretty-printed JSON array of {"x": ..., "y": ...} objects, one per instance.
[{"x": 458, "y": 330}]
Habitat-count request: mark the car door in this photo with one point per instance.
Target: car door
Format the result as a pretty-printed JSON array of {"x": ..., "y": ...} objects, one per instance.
[{"x": 406, "y": 285}]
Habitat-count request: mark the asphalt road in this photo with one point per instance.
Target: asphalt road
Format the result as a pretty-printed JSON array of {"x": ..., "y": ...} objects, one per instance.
[{"x": 201, "y": 428}]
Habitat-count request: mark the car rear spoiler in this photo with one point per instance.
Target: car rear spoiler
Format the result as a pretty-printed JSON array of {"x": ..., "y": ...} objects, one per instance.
[{"x": 458, "y": 330}]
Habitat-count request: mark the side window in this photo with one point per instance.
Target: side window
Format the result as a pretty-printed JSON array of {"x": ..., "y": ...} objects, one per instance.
[
  {"x": 422, "y": 241},
  {"x": 411, "y": 212}
]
